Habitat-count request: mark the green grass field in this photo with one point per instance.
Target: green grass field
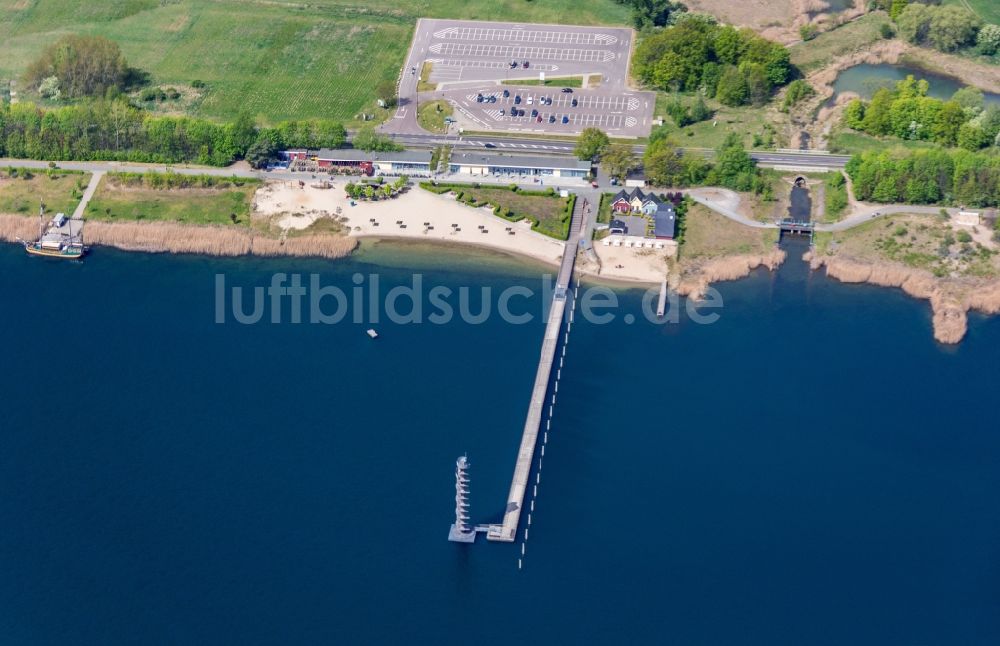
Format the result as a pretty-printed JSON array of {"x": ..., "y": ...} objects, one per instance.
[
  {"x": 189, "y": 205},
  {"x": 60, "y": 191},
  {"x": 988, "y": 10},
  {"x": 277, "y": 59},
  {"x": 559, "y": 81},
  {"x": 431, "y": 115},
  {"x": 850, "y": 37},
  {"x": 848, "y": 141},
  {"x": 746, "y": 121}
]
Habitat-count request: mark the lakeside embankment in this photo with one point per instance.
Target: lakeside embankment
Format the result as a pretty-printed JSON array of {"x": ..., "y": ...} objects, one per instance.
[
  {"x": 171, "y": 237},
  {"x": 951, "y": 299}
]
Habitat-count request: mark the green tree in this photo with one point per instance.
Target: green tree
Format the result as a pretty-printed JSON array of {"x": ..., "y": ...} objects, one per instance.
[
  {"x": 263, "y": 150},
  {"x": 914, "y": 23},
  {"x": 591, "y": 143},
  {"x": 664, "y": 164},
  {"x": 854, "y": 114},
  {"x": 367, "y": 139},
  {"x": 988, "y": 40},
  {"x": 700, "y": 111},
  {"x": 878, "y": 113},
  {"x": 797, "y": 91},
  {"x": 949, "y": 121},
  {"x": 619, "y": 161},
  {"x": 84, "y": 65},
  {"x": 49, "y": 88},
  {"x": 971, "y": 99},
  {"x": 730, "y": 45},
  {"x": 972, "y": 137},
  {"x": 385, "y": 91},
  {"x": 952, "y": 27},
  {"x": 733, "y": 164},
  {"x": 733, "y": 88},
  {"x": 897, "y": 7},
  {"x": 654, "y": 13}
]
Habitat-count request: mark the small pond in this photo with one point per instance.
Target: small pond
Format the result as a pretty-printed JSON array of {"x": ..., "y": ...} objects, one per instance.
[{"x": 866, "y": 79}]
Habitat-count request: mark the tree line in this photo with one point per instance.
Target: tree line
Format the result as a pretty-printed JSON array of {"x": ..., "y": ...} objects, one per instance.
[
  {"x": 117, "y": 130},
  {"x": 947, "y": 28},
  {"x": 736, "y": 66},
  {"x": 931, "y": 176},
  {"x": 907, "y": 112},
  {"x": 667, "y": 165}
]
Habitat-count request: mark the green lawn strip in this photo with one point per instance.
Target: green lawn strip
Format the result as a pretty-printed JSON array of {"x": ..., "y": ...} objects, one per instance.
[
  {"x": 546, "y": 210},
  {"x": 145, "y": 197},
  {"x": 562, "y": 81},
  {"x": 22, "y": 190}
]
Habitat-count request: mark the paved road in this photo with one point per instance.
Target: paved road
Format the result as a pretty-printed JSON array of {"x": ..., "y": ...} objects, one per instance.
[
  {"x": 735, "y": 216},
  {"x": 501, "y": 143}
]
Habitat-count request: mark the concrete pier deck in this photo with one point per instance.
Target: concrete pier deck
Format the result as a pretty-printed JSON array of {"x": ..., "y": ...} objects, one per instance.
[{"x": 526, "y": 453}]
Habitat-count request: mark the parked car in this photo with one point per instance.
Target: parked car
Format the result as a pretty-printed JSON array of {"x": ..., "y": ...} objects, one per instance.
[
  {"x": 614, "y": 181},
  {"x": 573, "y": 103},
  {"x": 489, "y": 145},
  {"x": 479, "y": 98},
  {"x": 531, "y": 100},
  {"x": 513, "y": 64},
  {"x": 534, "y": 113},
  {"x": 567, "y": 90},
  {"x": 517, "y": 99},
  {"x": 552, "y": 118},
  {"x": 594, "y": 184},
  {"x": 501, "y": 112},
  {"x": 525, "y": 64},
  {"x": 565, "y": 119},
  {"x": 506, "y": 93},
  {"x": 539, "y": 119}
]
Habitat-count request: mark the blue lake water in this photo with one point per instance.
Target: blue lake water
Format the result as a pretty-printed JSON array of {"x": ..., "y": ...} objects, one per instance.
[{"x": 811, "y": 469}]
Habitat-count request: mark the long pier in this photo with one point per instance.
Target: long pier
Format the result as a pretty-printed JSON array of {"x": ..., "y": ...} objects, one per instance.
[{"x": 525, "y": 455}]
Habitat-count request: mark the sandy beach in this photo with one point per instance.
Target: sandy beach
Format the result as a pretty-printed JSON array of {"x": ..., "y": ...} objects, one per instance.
[{"x": 417, "y": 215}]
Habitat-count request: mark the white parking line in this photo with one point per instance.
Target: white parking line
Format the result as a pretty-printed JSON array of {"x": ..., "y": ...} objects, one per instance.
[
  {"x": 476, "y": 34},
  {"x": 488, "y": 65},
  {"x": 519, "y": 52}
]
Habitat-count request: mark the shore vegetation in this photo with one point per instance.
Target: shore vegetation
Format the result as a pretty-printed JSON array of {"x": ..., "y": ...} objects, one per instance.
[{"x": 928, "y": 242}]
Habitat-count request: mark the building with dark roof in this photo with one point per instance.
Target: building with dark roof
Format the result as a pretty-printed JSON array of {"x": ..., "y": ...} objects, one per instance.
[{"x": 665, "y": 222}]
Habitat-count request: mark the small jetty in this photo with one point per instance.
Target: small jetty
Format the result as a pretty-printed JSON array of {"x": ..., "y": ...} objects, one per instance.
[
  {"x": 661, "y": 306},
  {"x": 60, "y": 237}
]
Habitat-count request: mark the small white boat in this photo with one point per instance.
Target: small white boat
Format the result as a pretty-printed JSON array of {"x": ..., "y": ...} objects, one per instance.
[{"x": 372, "y": 333}]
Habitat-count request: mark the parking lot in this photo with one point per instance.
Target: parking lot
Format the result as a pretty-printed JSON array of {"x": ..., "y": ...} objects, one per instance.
[{"x": 473, "y": 63}]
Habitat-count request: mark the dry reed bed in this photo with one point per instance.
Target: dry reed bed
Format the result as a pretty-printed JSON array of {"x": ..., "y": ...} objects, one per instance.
[{"x": 168, "y": 237}]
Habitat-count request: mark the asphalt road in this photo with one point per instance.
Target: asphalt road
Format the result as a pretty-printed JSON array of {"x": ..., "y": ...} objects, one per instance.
[{"x": 560, "y": 147}]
